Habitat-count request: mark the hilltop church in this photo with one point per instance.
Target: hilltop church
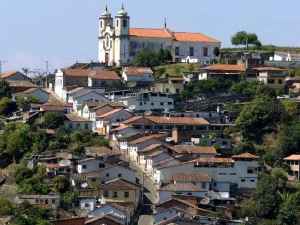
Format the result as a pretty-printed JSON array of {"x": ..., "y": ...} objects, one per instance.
[{"x": 119, "y": 43}]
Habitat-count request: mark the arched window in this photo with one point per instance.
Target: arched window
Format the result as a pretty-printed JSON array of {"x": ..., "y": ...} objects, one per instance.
[{"x": 124, "y": 23}]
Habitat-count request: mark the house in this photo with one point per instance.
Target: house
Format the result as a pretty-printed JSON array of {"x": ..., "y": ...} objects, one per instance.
[
  {"x": 271, "y": 75},
  {"x": 66, "y": 78},
  {"x": 70, "y": 221},
  {"x": 73, "y": 121},
  {"x": 239, "y": 170},
  {"x": 120, "y": 190},
  {"x": 223, "y": 71},
  {"x": 14, "y": 76},
  {"x": 114, "y": 210},
  {"x": 20, "y": 85},
  {"x": 55, "y": 107},
  {"x": 51, "y": 201},
  {"x": 146, "y": 102},
  {"x": 106, "y": 219},
  {"x": 90, "y": 165},
  {"x": 169, "y": 85},
  {"x": 38, "y": 94},
  {"x": 294, "y": 163},
  {"x": 188, "y": 152},
  {"x": 81, "y": 95},
  {"x": 105, "y": 121},
  {"x": 187, "y": 126},
  {"x": 119, "y": 43},
  {"x": 137, "y": 76},
  {"x": 285, "y": 56}
]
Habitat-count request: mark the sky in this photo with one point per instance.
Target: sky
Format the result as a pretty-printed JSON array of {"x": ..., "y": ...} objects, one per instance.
[{"x": 65, "y": 31}]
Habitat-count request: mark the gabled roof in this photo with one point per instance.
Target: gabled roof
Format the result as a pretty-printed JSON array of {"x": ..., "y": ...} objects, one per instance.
[
  {"x": 8, "y": 74},
  {"x": 269, "y": 68},
  {"x": 150, "y": 32},
  {"x": 75, "y": 118},
  {"x": 137, "y": 71},
  {"x": 168, "y": 34},
  {"x": 294, "y": 157},
  {"x": 193, "y": 37},
  {"x": 109, "y": 113},
  {"x": 97, "y": 74},
  {"x": 226, "y": 67},
  {"x": 119, "y": 184},
  {"x": 181, "y": 187},
  {"x": 246, "y": 155},
  {"x": 146, "y": 138},
  {"x": 71, "y": 221},
  {"x": 193, "y": 149}
]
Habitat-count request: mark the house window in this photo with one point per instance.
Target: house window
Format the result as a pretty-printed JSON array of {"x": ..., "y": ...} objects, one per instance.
[
  {"x": 117, "y": 23},
  {"x": 161, "y": 103},
  {"x": 119, "y": 175},
  {"x": 86, "y": 126},
  {"x": 203, "y": 184},
  {"x": 46, "y": 201},
  {"x": 126, "y": 194},
  {"x": 101, "y": 165},
  {"x": 250, "y": 171},
  {"x": 191, "y": 51},
  {"x": 107, "y": 175},
  {"x": 243, "y": 180},
  {"x": 124, "y": 23},
  {"x": 86, "y": 205},
  {"x": 170, "y": 103},
  {"x": 205, "y": 51},
  {"x": 177, "y": 51},
  {"x": 53, "y": 201},
  {"x": 93, "y": 179},
  {"x": 115, "y": 194},
  {"x": 101, "y": 24},
  {"x": 106, "y": 194},
  {"x": 83, "y": 166}
]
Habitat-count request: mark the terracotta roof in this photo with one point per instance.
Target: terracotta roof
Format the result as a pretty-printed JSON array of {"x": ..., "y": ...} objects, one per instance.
[
  {"x": 189, "y": 187},
  {"x": 266, "y": 68},
  {"x": 293, "y": 157},
  {"x": 191, "y": 177},
  {"x": 166, "y": 33},
  {"x": 226, "y": 67},
  {"x": 137, "y": 71},
  {"x": 152, "y": 147},
  {"x": 193, "y": 37},
  {"x": 177, "y": 120},
  {"x": 132, "y": 119},
  {"x": 75, "y": 118},
  {"x": 111, "y": 220},
  {"x": 100, "y": 151},
  {"x": 50, "y": 107},
  {"x": 76, "y": 72},
  {"x": 146, "y": 138},
  {"x": 8, "y": 74},
  {"x": 119, "y": 184},
  {"x": 71, "y": 221},
  {"x": 150, "y": 32},
  {"x": 246, "y": 155},
  {"x": 95, "y": 74},
  {"x": 104, "y": 75},
  {"x": 193, "y": 149},
  {"x": 111, "y": 112}
]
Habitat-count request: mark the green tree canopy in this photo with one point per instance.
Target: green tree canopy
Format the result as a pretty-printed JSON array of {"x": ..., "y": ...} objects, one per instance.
[
  {"x": 5, "y": 90},
  {"x": 7, "y": 106},
  {"x": 150, "y": 58},
  {"x": 259, "y": 117},
  {"x": 52, "y": 120},
  {"x": 246, "y": 39}
]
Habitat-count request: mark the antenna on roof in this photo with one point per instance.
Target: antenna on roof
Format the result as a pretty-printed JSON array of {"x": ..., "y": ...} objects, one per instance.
[{"x": 165, "y": 23}]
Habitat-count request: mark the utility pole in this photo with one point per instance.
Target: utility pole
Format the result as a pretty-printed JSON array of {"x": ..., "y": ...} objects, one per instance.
[{"x": 47, "y": 72}]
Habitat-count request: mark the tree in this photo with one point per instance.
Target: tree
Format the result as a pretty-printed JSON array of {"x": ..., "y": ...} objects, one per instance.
[
  {"x": 52, "y": 120},
  {"x": 266, "y": 197},
  {"x": 61, "y": 184},
  {"x": 146, "y": 58},
  {"x": 7, "y": 106},
  {"x": 259, "y": 117},
  {"x": 23, "y": 103},
  {"x": 6, "y": 207},
  {"x": 216, "y": 51},
  {"x": 289, "y": 209},
  {"x": 246, "y": 39},
  {"x": 245, "y": 88},
  {"x": 5, "y": 90}
]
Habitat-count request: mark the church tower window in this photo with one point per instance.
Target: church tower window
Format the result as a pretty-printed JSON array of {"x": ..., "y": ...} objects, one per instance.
[
  {"x": 117, "y": 23},
  {"x": 124, "y": 23}
]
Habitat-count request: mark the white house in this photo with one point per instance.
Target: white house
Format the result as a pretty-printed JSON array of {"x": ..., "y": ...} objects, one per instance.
[
  {"x": 147, "y": 102},
  {"x": 119, "y": 43},
  {"x": 241, "y": 170},
  {"x": 79, "y": 96},
  {"x": 89, "y": 165},
  {"x": 138, "y": 75},
  {"x": 285, "y": 57}
]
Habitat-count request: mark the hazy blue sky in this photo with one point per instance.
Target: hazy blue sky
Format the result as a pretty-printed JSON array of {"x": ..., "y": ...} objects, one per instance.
[{"x": 63, "y": 31}]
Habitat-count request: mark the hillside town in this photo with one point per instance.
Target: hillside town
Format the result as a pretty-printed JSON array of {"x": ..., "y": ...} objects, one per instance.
[{"x": 166, "y": 127}]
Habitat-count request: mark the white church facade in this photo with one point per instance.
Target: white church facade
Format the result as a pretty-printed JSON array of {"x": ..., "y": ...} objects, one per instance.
[{"x": 119, "y": 43}]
